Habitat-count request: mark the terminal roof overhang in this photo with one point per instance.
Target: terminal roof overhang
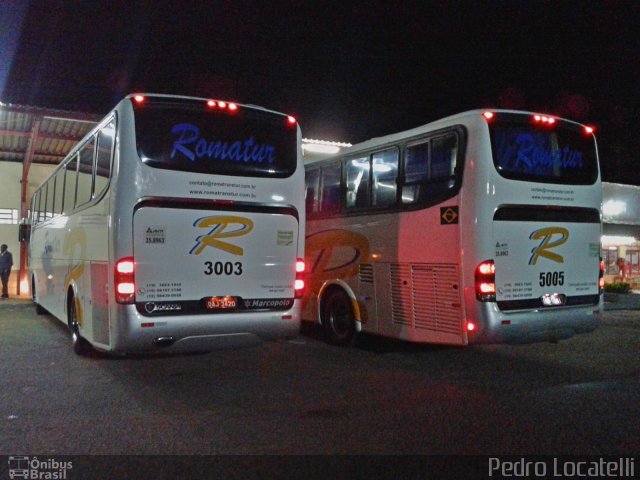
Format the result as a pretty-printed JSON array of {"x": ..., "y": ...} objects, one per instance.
[{"x": 31, "y": 135}]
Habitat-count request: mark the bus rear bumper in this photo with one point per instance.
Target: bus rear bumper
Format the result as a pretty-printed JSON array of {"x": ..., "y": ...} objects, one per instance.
[
  {"x": 530, "y": 326},
  {"x": 141, "y": 334}
]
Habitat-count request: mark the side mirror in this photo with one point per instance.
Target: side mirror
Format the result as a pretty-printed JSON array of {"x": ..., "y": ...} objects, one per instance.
[{"x": 24, "y": 230}]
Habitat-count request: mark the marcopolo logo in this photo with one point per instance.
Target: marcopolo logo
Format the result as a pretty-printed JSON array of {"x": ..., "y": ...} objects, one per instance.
[
  {"x": 35, "y": 468},
  {"x": 551, "y": 237},
  {"x": 221, "y": 228}
]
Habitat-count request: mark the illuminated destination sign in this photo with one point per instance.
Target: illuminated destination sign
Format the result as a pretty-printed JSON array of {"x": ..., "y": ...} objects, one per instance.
[{"x": 192, "y": 145}]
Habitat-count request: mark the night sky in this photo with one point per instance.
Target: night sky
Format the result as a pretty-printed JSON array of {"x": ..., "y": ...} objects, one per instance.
[{"x": 348, "y": 71}]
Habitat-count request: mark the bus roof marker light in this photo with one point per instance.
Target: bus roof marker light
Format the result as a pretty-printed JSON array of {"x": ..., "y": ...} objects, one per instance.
[
  {"x": 546, "y": 119},
  {"x": 589, "y": 130},
  {"x": 138, "y": 98},
  {"x": 211, "y": 103},
  {"x": 488, "y": 115},
  {"x": 291, "y": 120},
  {"x": 233, "y": 107},
  {"x": 222, "y": 104}
]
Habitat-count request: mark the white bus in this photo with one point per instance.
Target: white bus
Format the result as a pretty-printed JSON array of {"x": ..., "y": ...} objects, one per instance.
[
  {"x": 176, "y": 224},
  {"x": 483, "y": 227}
]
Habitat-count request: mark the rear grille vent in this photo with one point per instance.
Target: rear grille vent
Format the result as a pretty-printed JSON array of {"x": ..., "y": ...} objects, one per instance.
[
  {"x": 426, "y": 297},
  {"x": 400, "y": 294},
  {"x": 365, "y": 273}
]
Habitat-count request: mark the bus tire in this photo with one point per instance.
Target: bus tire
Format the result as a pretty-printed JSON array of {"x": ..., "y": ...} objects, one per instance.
[
  {"x": 79, "y": 344},
  {"x": 39, "y": 309},
  {"x": 338, "y": 319}
]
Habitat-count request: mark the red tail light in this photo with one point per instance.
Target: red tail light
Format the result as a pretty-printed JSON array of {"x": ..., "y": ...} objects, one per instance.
[
  {"x": 298, "y": 286},
  {"x": 486, "y": 281},
  {"x": 124, "y": 281},
  {"x": 601, "y": 278}
]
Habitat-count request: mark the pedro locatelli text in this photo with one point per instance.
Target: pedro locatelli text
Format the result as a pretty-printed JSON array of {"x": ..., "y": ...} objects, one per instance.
[{"x": 623, "y": 467}]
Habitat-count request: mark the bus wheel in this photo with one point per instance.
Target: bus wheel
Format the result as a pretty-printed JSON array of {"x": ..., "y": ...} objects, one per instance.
[
  {"x": 337, "y": 318},
  {"x": 39, "y": 309},
  {"x": 79, "y": 344}
]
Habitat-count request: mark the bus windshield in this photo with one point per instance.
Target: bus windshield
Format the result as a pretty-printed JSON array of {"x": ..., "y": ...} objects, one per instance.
[
  {"x": 559, "y": 153},
  {"x": 189, "y": 137}
]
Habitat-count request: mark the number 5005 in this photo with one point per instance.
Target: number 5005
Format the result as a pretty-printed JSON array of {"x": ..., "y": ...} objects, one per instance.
[{"x": 551, "y": 279}]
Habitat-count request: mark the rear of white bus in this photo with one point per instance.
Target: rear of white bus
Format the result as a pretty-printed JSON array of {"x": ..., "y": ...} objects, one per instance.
[
  {"x": 537, "y": 274},
  {"x": 209, "y": 253}
]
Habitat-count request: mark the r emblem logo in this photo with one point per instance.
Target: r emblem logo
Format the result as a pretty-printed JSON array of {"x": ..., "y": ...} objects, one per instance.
[{"x": 222, "y": 227}]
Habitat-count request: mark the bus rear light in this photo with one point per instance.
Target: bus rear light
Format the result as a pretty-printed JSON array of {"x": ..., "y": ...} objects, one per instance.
[
  {"x": 544, "y": 119},
  {"x": 485, "y": 279},
  {"x": 125, "y": 288},
  {"x": 124, "y": 280},
  {"x": 601, "y": 276},
  {"x": 485, "y": 287},
  {"x": 471, "y": 326},
  {"x": 221, "y": 104},
  {"x": 298, "y": 285},
  {"x": 125, "y": 266}
]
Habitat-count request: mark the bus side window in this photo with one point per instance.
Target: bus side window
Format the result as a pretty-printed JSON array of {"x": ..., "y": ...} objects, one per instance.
[
  {"x": 357, "y": 182},
  {"x": 330, "y": 193},
  {"x": 312, "y": 182},
  {"x": 48, "y": 212},
  {"x": 416, "y": 171},
  {"x": 443, "y": 157},
  {"x": 85, "y": 174},
  {"x": 103, "y": 157},
  {"x": 59, "y": 192},
  {"x": 70, "y": 184},
  {"x": 385, "y": 175},
  {"x": 35, "y": 209}
]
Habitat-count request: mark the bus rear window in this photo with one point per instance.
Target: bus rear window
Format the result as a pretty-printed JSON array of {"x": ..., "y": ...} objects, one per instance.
[
  {"x": 560, "y": 154},
  {"x": 191, "y": 138}
]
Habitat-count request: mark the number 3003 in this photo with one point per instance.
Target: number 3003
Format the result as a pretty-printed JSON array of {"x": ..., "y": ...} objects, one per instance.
[{"x": 223, "y": 268}]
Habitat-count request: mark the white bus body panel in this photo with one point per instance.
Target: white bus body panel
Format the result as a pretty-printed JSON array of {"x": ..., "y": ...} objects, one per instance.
[
  {"x": 483, "y": 193},
  {"x": 86, "y": 245},
  {"x": 395, "y": 264},
  {"x": 419, "y": 282},
  {"x": 529, "y": 268}
]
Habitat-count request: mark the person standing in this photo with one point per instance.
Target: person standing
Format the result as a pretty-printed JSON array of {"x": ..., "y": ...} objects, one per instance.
[{"x": 6, "y": 262}]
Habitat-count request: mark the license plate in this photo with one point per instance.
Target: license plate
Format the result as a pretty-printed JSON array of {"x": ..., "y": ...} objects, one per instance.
[{"x": 221, "y": 303}]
